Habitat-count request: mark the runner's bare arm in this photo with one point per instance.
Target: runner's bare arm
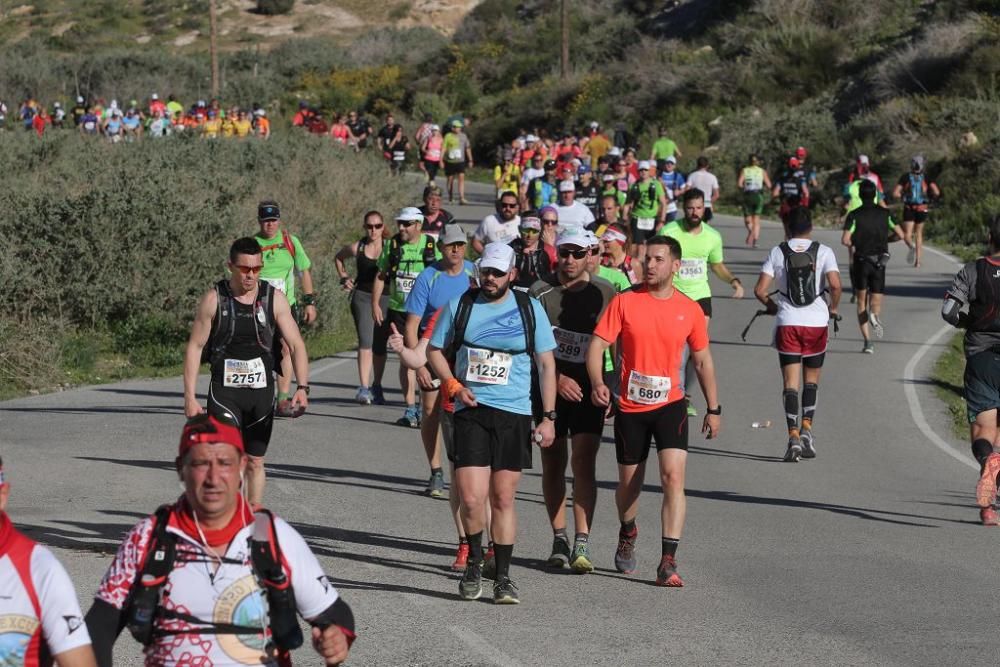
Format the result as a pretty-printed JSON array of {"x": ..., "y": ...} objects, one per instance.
[
  {"x": 762, "y": 291},
  {"x": 290, "y": 333},
  {"x": 307, "y": 288},
  {"x": 835, "y": 288},
  {"x": 377, "y": 288},
  {"x": 81, "y": 656},
  {"x": 705, "y": 368},
  {"x": 411, "y": 358},
  {"x": 546, "y": 362},
  {"x": 723, "y": 272},
  {"x": 349, "y": 250},
  {"x": 200, "y": 331},
  {"x": 600, "y": 394}
]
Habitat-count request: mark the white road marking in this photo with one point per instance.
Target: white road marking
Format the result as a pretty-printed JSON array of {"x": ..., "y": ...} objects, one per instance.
[{"x": 327, "y": 366}]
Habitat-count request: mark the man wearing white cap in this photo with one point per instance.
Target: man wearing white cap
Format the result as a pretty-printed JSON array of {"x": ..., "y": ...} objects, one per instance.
[
  {"x": 674, "y": 184},
  {"x": 645, "y": 208},
  {"x": 493, "y": 334},
  {"x": 571, "y": 212},
  {"x": 574, "y": 302},
  {"x": 403, "y": 258}
]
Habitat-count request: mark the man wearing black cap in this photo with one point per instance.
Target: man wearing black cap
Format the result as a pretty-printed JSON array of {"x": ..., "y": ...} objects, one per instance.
[
  {"x": 542, "y": 190},
  {"x": 284, "y": 259},
  {"x": 802, "y": 270}
]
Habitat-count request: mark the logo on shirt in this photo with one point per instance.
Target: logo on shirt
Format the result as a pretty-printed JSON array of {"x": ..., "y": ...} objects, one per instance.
[
  {"x": 16, "y": 632},
  {"x": 242, "y": 604},
  {"x": 73, "y": 623}
]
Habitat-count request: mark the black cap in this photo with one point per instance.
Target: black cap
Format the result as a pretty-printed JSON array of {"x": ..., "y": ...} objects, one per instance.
[
  {"x": 550, "y": 164},
  {"x": 268, "y": 210}
]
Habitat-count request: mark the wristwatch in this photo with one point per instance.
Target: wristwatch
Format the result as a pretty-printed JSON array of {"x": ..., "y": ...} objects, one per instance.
[
  {"x": 303, "y": 387},
  {"x": 550, "y": 415},
  {"x": 717, "y": 411}
]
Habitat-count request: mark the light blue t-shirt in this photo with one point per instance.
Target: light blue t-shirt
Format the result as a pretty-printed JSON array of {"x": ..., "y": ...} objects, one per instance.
[
  {"x": 495, "y": 327},
  {"x": 433, "y": 288}
]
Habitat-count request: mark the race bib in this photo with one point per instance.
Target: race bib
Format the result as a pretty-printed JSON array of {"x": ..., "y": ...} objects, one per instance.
[
  {"x": 693, "y": 269},
  {"x": 245, "y": 374},
  {"x": 404, "y": 282},
  {"x": 645, "y": 224},
  {"x": 276, "y": 283},
  {"x": 571, "y": 346},
  {"x": 398, "y": 156},
  {"x": 648, "y": 389},
  {"x": 488, "y": 367},
  {"x": 455, "y": 154}
]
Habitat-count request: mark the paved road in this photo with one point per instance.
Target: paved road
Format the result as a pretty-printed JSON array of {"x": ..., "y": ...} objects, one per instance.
[{"x": 867, "y": 555}]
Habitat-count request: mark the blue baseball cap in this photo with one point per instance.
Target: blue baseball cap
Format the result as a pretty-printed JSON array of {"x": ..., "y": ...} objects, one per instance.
[{"x": 584, "y": 169}]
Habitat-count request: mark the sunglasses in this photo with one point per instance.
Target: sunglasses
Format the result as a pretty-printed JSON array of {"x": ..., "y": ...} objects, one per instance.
[
  {"x": 374, "y": 226},
  {"x": 406, "y": 223},
  {"x": 549, "y": 221},
  {"x": 245, "y": 270},
  {"x": 577, "y": 254},
  {"x": 506, "y": 205},
  {"x": 495, "y": 273},
  {"x": 530, "y": 231}
]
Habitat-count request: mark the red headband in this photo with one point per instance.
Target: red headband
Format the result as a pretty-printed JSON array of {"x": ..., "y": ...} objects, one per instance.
[{"x": 209, "y": 429}]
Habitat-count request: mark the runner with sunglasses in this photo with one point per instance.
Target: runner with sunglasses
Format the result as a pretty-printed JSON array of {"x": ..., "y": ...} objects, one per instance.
[
  {"x": 531, "y": 257},
  {"x": 234, "y": 331},
  {"x": 501, "y": 226},
  {"x": 550, "y": 230},
  {"x": 574, "y": 301}
]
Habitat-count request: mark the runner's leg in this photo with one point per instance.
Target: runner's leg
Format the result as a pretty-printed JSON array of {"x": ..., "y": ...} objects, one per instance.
[
  {"x": 429, "y": 426},
  {"x": 584, "y": 462},
  {"x": 554, "y": 461},
  {"x": 673, "y": 463}
]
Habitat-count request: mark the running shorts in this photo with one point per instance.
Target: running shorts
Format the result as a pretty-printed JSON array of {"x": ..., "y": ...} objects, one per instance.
[
  {"x": 707, "y": 217},
  {"x": 917, "y": 214},
  {"x": 370, "y": 336},
  {"x": 753, "y": 203},
  {"x": 868, "y": 275},
  {"x": 493, "y": 438},
  {"x": 982, "y": 383},
  {"x": 801, "y": 341},
  {"x": 252, "y": 409},
  {"x": 454, "y": 168},
  {"x": 634, "y": 431},
  {"x": 575, "y": 418},
  {"x": 641, "y": 235},
  {"x": 448, "y": 433},
  {"x": 706, "y": 305}
]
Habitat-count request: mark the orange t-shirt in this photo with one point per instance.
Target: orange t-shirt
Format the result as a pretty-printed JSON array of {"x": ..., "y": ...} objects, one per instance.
[
  {"x": 651, "y": 334},
  {"x": 447, "y": 402}
]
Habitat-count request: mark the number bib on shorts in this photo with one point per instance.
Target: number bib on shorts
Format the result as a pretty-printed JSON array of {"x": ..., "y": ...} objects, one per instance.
[
  {"x": 645, "y": 224},
  {"x": 488, "y": 367},
  {"x": 570, "y": 345},
  {"x": 276, "y": 283},
  {"x": 404, "y": 283},
  {"x": 693, "y": 269},
  {"x": 245, "y": 374},
  {"x": 648, "y": 389}
]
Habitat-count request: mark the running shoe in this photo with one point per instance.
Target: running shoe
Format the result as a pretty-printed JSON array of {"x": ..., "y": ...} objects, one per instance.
[
  {"x": 461, "y": 557},
  {"x": 876, "y": 323},
  {"x": 470, "y": 587},
  {"x": 378, "y": 397},
  {"x": 986, "y": 489},
  {"x": 911, "y": 256},
  {"x": 410, "y": 418},
  {"x": 490, "y": 564},
  {"x": 869, "y": 348},
  {"x": 463, "y": 202},
  {"x": 625, "y": 553},
  {"x": 435, "y": 485},
  {"x": 560, "y": 553},
  {"x": 580, "y": 560},
  {"x": 364, "y": 396},
  {"x": 988, "y": 515},
  {"x": 794, "y": 451},
  {"x": 666, "y": 573},
  {"x": 505, "y": 592},
  {"x": 808, "y": 444}
]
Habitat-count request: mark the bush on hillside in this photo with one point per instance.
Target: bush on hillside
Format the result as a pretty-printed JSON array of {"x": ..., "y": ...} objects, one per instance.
[{"x": 274, "y": 7}]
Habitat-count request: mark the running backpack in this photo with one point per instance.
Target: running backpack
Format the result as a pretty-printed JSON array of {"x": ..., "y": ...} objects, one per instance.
[
  {"x": 286, "y": 241},
  {"x": 800, "y": 274},
  {"x": 464, "y": 312},
  {"x": 396, "y": 254},
  {"x": 915, "y": 194},
  {"x": 224, "y": 323},
  {"x": 635, "y": 194}
]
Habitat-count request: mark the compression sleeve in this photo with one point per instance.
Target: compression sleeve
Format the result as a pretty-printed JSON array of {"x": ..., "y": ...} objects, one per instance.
[
  {"x": 339, "y": 614},
  {"x": 104, "y": 622}
]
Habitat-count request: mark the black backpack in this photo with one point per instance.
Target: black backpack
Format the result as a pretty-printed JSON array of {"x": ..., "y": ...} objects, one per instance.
[
  {"x": 464, "y": 312},
  {"x": 800, "y": 274},
  {"x": 224, "y": 323},
  {"x": 396, "y": 254}
]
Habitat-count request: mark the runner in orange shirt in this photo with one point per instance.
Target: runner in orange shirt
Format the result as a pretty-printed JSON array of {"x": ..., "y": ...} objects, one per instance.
[{"x": 651, "y": 325}]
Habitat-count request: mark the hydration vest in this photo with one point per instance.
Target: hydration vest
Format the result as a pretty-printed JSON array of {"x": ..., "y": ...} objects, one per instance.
[
  {"x": 800, "y": 274},
  {"x": 224, "y": 322},
  {"x": 915, "y": 190},
  {"x": 396, "y": 254},
  {"x": 984, "y": 310}
]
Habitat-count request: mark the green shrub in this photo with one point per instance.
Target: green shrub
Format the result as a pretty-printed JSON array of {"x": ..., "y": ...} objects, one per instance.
[{"x": 274, "y": 7}]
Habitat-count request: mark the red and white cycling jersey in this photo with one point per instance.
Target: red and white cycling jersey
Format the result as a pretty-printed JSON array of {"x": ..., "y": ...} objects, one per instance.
[
  {"x": 228, "y": 595},
  {"x": 39, "y": 613}
]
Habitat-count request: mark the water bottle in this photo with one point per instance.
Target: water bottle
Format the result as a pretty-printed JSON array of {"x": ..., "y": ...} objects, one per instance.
[{"x": 763, "y": 424}]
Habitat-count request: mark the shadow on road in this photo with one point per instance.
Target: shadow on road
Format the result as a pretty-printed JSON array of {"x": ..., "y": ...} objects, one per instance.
[
  {"x": 179, "y": 395},
  {"x": 101, "y": 538},
  {"x": 948, "y": 386},
  {"x": 100, "y": 410}
]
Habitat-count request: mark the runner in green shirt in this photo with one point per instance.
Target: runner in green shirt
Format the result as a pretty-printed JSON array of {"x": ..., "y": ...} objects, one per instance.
[
  {"x": 754, "y": 182},
  {"x": 645, "y": 208},
  {"x": 701, "y": 250},
  {"x": 663, "y": 148},
  {"x": 403, "y": 257},
  {"x": 284, "y": 257}
]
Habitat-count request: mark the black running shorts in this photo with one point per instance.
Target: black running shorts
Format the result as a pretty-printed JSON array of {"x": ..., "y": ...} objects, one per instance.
[
  {"x": 634, "y": 431},
  {"x": 252, "y": 409},
  {"x": 448, "y": 433},
  {"x": 868, "y": 275},
  {"x": 488, "y": 437},
  {"x": 576, "y": 418}
]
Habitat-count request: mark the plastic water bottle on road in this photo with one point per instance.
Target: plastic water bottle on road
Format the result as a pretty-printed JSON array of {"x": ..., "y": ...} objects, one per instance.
[{"x": 763, "y": 424}]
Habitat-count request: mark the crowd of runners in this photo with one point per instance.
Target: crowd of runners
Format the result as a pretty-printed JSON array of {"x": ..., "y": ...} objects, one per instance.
[{"x": 587, "y": 304}]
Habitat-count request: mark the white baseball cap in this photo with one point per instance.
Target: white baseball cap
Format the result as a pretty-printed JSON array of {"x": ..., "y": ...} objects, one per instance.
[
  {"x": 154, "y": 96},
  {"x": 594, "y": 125},
  {"x": 453, "y": 234},
  {"x": 643, "y": 164},
  {"x": 567, "y": 186},
  {"x": 530, "y": 138},
  {"x": 410, "y": 214},
  {"x": 862, "y": 159},
  {"x": 573, "y": 236},
  {"x": 497, "y": 255},
  {"x": 615, "y": 151}
]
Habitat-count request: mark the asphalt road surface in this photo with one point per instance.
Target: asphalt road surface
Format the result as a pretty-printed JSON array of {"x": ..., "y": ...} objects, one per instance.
[{"x": 870, "y": 554}]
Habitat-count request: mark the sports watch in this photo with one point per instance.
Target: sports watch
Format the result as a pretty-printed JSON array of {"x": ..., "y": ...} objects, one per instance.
[
  {"x": 717, "y": 411},
  {"x": 550, "y": 415}
]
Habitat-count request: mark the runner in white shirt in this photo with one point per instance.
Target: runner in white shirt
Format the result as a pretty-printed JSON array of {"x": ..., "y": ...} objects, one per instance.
[
  {"x": 802, "y": 324},
  {"x": 571, "y": 212},
  {"x": 704, "y": 180},
  {"x": 40, "y": 617},
  {"x": 501, "y": 227},
  {"x": 210, "y": 606}
]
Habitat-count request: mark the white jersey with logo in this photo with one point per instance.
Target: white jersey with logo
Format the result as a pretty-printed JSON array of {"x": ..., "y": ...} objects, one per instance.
[
  {"x": 492, "y": 229},
  {"x": 815, "y": 314},
  {"x": 38, "y": 606},
  {"x": 230, "y": 595},
  {"x": 706, "y": 182},
  {"x": 574, "y": 215}
]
